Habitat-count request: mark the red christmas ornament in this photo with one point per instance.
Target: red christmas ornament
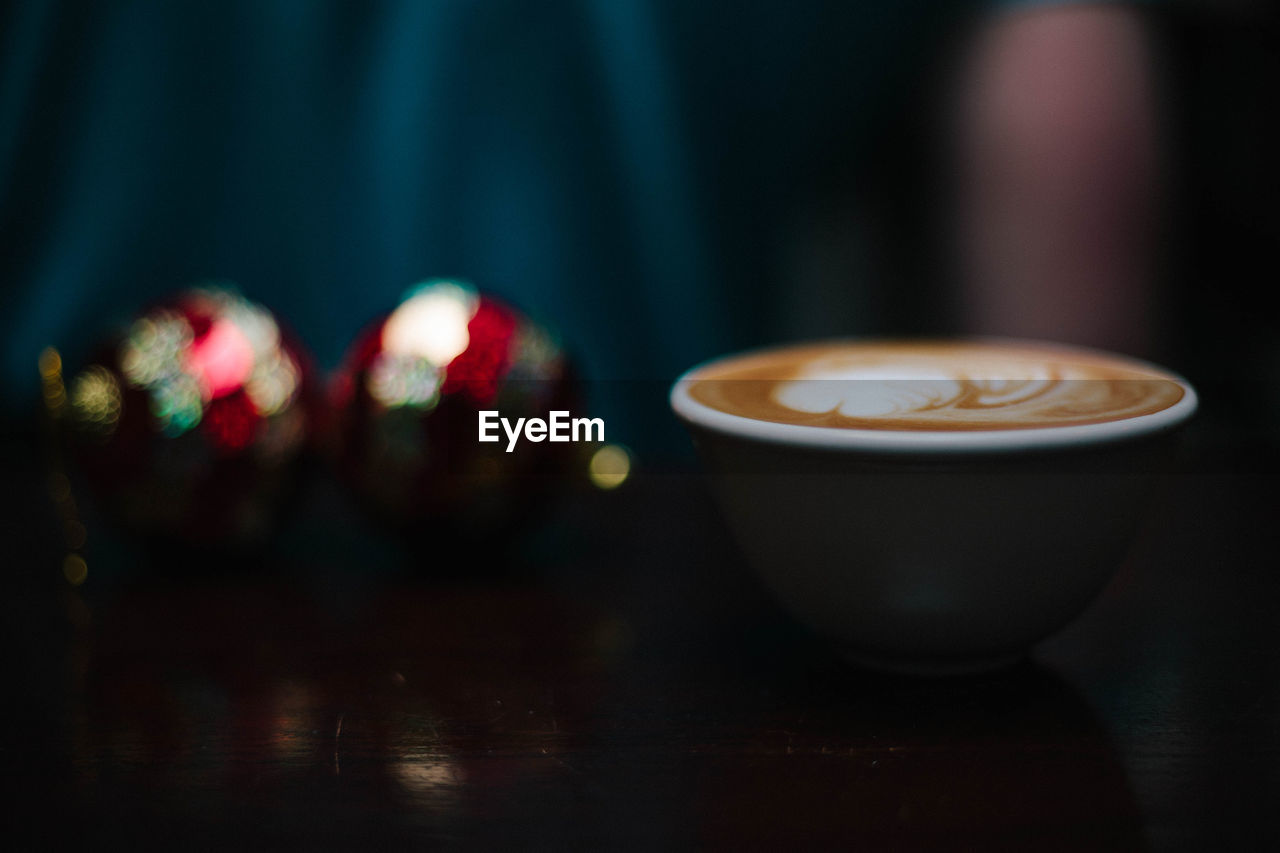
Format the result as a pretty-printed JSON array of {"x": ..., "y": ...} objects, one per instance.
[
  {"x": 189, "y": 424},
  {"x": 406, "y": 403}
]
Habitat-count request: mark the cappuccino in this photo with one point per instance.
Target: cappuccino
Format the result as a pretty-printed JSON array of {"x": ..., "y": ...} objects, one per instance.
[
  {"x": 933, "y": 506},
  {"x": 933, "y": 386}
]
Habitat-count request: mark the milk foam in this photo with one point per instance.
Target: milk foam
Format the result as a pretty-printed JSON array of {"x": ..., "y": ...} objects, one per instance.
[
  {"x": 857, "y": 389},
  {"x": 935, "y": 386}
]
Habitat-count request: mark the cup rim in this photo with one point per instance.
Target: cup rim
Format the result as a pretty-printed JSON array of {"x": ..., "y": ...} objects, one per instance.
[{"x": 960, "y": 442}]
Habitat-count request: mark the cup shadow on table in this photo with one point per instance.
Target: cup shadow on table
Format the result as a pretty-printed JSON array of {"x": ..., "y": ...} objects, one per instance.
[{"x": 825, "y": 754}]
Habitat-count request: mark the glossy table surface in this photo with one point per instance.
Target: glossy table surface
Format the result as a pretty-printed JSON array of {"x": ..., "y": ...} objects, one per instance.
[{"x": 618, "y": 679}]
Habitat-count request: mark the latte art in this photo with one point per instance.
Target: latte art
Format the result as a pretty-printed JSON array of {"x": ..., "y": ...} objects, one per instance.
[{"x": 934, "y": 386}]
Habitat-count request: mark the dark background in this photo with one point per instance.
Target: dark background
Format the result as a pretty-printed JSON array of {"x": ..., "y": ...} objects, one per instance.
[{"x": 661, "y": 183}]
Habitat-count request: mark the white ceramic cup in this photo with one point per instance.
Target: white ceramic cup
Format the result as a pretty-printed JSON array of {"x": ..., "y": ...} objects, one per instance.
[{"x": 933, "y": 552}]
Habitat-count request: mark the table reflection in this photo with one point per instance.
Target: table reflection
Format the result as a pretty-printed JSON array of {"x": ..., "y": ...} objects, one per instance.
[
  {"x": 237, "y": 704},
  {"x": 1015, "y": 760}
]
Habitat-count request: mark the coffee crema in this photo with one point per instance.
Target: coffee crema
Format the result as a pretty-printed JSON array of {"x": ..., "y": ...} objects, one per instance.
[{"x": 933, "y": 386}]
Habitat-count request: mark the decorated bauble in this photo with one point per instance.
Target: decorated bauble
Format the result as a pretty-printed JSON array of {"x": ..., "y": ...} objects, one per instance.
[
  {"x": 188, "y": 425},
  {"x": 407, "y": 401}
]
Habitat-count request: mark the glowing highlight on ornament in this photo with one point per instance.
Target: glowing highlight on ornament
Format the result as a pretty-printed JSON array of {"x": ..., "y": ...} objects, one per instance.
[
  {"x": 432, "y": 323},
  {"x": 273, "y": 383},
  {"x": 177, "y": 404},
  {"x": 396, "y": 380},
  {"x": 221, "y": 360},
  {"x": 254, "y": 321},
  {"x": 96, "y": 400},
  {"x": 610, "y": 466},
  {"x": 153, "y": 350}
]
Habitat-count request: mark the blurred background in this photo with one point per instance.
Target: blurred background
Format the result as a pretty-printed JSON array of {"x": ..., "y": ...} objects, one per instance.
[
  {"x": 630, "y": 187},
  {"x": 660, "y": 182}
]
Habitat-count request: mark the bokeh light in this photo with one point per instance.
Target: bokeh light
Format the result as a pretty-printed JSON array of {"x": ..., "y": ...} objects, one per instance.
[
  {"x": 51, "y": 382},
  {"x": 610, "y": 466},
  {"x": 96, "y": 400},
  {"x": 431, "y": 322},
  {"x": 75, "y": 569}
]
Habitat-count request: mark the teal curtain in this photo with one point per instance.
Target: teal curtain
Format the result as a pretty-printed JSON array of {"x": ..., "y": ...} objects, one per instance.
[{"x": 624, "y": 170}]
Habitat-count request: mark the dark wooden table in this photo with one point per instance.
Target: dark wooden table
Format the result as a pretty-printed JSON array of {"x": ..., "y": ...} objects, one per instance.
[{"x": 619, "y": 680}]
